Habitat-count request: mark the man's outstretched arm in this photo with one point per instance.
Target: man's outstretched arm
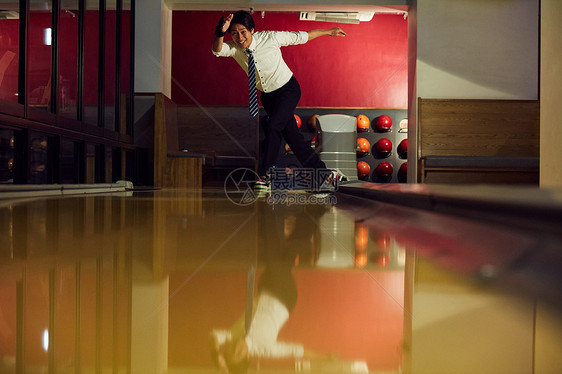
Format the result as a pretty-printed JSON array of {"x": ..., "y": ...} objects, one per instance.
[{"x": 336, "y": 31}]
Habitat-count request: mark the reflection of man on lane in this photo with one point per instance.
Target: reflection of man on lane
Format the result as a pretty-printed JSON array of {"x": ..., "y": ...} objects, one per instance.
[{"x": 285, "y": 236}]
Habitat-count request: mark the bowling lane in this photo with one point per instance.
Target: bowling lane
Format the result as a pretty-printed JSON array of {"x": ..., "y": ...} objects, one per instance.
[{"x": 174, "y": 281}]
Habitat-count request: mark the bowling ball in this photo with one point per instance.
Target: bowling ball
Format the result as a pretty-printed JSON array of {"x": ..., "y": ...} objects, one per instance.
[
  {"x": 363, "y": 123},
  {"x": 312, "y": 122},
  {"x": 363, "y": 146},
  {"x": 403, "y": 149},
  {"x": 383, "y": 123},
  {"x": 360, "y": 259},
  {"x": 384, "y": 169},
  {"x": 383, "y": 242},
  {"x": 298, "y": 119},
  {"x": 363, "y": 169},
  {"x": 361, "y": 237},
  {"x": 314, "y": 143},
  {"x": 383, "y": 146},
  {"x": 403, "y": 172},
  {"x": 381, "y": 258}
]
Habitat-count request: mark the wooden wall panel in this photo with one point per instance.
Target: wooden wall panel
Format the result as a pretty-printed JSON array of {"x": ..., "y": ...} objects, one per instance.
[
  {"x": 171, "y": 171},
  {"x": 473, "y": 176},
  {"x": 183, "y": 172},
  {"x": 479, "y": 127}
]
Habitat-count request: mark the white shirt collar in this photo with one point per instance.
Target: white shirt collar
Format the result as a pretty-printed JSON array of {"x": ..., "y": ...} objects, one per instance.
[{"x": 254, "y": 43}]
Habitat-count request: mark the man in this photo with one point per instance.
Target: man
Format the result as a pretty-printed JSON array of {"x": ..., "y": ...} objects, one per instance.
[{"x": 279, "y": 90}]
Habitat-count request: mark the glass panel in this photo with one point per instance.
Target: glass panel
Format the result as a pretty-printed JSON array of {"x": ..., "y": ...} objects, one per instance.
[
  {"x": 99, "y": 173},
  {"x": 9, "y": 39},
  {"x": 116, "y": 165},
  {"x": 90, "y": 154},
  {"x": 125, "y": 69},
  {"x": 6, "y": 156},
  {"x": 109, "y": 72},
  {"x": 91, "y": 55},
  {"x": 39, "y": 54},
  {"x": 67, "y": 161},
  {"x": 39, "y": 159},
  {"x": 68, "y": 59}
]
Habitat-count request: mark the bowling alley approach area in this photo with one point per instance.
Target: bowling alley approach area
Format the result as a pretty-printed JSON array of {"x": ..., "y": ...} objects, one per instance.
[{"x": 370, "y": 278}]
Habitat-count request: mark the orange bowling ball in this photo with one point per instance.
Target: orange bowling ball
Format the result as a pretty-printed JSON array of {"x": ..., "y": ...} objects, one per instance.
[
  {"x": 363, "y": 169},
  {"x": 312, "y": 122},
  {"x": 363, "y": 146},
  {"x": 298, "y": 119},
  {"x": 361, "y": 237},
  {"x": 363, "y": 123},
  {"x": 360, "y": 259}
]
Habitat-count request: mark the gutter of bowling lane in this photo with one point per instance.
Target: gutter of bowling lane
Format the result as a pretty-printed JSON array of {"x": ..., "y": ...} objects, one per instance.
[{"x": 520, "y": 207}]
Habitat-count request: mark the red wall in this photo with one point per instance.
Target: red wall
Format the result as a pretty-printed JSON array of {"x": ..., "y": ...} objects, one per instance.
[{"x": 368, "y": 68}]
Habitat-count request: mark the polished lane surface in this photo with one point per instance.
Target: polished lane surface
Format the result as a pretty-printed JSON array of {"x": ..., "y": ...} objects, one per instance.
[{"x": 168, "y": 281}]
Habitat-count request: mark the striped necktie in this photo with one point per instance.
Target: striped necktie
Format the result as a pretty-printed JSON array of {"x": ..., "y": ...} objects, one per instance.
[{"x": 252, "y": 84}]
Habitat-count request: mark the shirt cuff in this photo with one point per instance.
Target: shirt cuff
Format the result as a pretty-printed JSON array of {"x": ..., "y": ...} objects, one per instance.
[{"x": 304, "y": 36}]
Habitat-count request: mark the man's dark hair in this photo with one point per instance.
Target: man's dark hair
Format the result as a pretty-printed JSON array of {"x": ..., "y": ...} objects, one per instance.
[{"x": 243, "y": 18}]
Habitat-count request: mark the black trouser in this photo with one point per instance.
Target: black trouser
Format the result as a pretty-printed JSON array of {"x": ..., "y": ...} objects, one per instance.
[
  {"x": 280, "y": 107},
  {"x": 285, "y": 234}
]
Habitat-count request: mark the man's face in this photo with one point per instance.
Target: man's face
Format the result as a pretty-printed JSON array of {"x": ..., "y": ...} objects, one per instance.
[{"x": 241, "y": 35}]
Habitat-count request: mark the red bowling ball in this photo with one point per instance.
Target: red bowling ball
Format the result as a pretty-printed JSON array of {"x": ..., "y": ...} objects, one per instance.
[
  {"x": 298, "y": 119},
  {"x": 383, "y": 146},
  {"x": 403, "y": 148},
  {"x": 384, "y": 169},
  {"x": 403, "y": 172},
  {"x": 383, "y": 242},
  {"x": 381, "y": 259},
  {"x": 383, "y": 123}
]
